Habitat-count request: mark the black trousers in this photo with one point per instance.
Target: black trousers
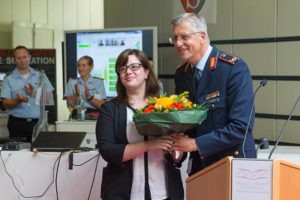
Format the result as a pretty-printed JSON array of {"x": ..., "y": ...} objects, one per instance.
[{"x": 20, "y": 129}]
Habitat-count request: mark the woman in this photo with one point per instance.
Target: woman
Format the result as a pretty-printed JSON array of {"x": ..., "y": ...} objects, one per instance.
[
  {"x": 137, "y": 168},
  {"x": 86, "y": 90}
]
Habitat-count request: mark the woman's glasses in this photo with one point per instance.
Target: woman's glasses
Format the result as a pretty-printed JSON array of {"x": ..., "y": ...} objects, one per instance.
[{"x": 133, "y": 67}]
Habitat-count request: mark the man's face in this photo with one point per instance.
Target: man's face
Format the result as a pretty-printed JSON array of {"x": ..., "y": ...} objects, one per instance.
[
  {"x": 22, "y": 59},
  {"x": 190, "y": 44}
]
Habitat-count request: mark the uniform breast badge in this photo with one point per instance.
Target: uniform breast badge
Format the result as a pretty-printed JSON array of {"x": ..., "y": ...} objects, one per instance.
[{"x": 212, "y": 95}]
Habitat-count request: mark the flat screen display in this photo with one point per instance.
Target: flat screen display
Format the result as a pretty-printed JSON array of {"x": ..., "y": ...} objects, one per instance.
[{"x": 104, "y": 46}]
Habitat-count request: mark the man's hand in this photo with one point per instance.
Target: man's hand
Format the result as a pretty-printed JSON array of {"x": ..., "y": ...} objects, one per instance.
[
  {"x": 183, "y": 143},
  {"x": 29, "y": 89},
  {"x": 21, "y": 98}
]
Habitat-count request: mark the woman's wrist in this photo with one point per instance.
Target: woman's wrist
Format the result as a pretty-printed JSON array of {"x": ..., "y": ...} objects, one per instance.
[{"x": 90, "y": 98}]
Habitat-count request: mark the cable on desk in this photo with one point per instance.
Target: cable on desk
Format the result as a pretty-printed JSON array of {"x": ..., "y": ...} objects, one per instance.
[
  {"x": 19, "y": 192},
  {"x": 71, "y": 158},
  {"x": 77, "y": 165},
  {"x": 94, "y": 176},
  {"x": 57, "y": 168}
]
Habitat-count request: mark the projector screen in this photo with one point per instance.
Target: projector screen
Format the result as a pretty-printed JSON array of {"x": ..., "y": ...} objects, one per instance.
[{"x": 104, "y": 46}]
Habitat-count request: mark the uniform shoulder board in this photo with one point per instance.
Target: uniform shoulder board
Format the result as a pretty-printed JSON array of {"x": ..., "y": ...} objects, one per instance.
[
  {"x": 184, "y": 65},
  {"x": 98, "y": 78},
  {"x": 229, "y": 58},
  {"x": 7, "y": 74}
]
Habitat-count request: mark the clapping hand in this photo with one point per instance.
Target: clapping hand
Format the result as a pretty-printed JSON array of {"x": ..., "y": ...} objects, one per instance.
[
  {"x": 87, "y": 91},
  {"x": 29, "y": 89},
  {"x": 22, "y": 98},
  {"x": 77, "y": 90}
]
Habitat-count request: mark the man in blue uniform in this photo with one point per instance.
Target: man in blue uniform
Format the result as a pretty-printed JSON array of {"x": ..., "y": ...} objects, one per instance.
[
  {"x": 220, "y": 81},
  {"x": 19, "y": 94}
]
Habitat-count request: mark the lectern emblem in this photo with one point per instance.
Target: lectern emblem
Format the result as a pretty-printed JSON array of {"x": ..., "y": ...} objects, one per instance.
[{"x": 192, "y": 6}]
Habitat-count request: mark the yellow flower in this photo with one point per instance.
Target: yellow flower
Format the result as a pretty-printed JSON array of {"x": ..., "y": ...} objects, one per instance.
[
  {"x": 169, "y": 103},
  {"x": 165, "y": 102}
]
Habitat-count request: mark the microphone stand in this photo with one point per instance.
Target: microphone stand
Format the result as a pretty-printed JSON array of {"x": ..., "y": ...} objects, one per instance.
[
  {"x": 261, "y": 84},
  {"x": 283, "y": 128}
]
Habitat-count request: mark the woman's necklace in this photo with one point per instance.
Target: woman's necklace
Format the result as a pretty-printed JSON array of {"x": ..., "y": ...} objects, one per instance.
[{"x": 138, "y": 105}]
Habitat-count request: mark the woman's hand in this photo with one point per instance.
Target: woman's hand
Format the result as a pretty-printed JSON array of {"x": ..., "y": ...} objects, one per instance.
[
  {"x": 87, "y": 91},
  {"x": 162, "y": 143},
  {"x": 77, "y": 90},
  {"x": 154, "y": 143}
]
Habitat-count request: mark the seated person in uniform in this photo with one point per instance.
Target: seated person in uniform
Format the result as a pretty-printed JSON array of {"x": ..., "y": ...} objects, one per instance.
[{"x": 85, "y": 90}]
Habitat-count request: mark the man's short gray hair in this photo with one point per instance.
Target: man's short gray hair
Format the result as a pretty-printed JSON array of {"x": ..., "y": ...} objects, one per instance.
[{"x": 197, "y": 24}]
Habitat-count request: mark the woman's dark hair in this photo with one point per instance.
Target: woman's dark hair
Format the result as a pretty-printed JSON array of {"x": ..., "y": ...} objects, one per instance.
[
  {"x": 88, "y": 58},
  {"x": 152, "y": 87}
]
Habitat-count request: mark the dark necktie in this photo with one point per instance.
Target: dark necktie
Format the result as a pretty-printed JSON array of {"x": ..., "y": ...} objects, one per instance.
[{"x": 197, "y": 76}]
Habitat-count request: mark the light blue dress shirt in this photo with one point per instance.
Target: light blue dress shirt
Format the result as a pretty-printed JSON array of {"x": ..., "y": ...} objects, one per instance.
[
  {"x": 15, "y": 84},
  {"x": 201, "y": 64},
  {"x": 95, "y": 85}
]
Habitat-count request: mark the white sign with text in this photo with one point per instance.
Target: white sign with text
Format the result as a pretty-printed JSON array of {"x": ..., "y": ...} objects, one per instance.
[{"x": 251, "y": 179}]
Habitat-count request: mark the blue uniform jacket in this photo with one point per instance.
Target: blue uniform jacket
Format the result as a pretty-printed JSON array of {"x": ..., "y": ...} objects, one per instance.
[{"x": 226, "y": 89}]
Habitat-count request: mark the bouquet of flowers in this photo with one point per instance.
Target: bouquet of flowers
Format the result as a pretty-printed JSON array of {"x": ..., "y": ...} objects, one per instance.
[{"x": 168, "y": 114}]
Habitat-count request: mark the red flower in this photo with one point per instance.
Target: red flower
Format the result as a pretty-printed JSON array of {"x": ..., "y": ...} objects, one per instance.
[
  {"x": 177, "y": 106},
  {"x": 149, "y": 109}
]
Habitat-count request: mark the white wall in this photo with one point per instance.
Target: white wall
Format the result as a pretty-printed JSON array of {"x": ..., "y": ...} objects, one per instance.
[{"x": 61, "y": 15}]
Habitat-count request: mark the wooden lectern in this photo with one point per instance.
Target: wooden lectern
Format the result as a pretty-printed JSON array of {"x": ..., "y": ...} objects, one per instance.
[{"x": 243, "y": 179}]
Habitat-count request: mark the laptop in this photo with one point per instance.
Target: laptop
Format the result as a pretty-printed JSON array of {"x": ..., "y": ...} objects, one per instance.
[{"x": 58, "y": 141}]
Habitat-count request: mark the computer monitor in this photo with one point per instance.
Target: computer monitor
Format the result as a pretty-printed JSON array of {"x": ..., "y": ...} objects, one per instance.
[{"x": 104, "y": 46}]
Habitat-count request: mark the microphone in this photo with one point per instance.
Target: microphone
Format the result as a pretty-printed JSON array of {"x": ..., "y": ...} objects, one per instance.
[
  {"x": 283, "y": 128},
  {"x": 263, "y": 144},
  {"x": 261, "y": 84}
]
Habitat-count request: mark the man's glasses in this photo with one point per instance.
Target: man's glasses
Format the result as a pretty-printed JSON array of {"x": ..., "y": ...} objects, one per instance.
[
  {"x": 182, "y": 38},
  {"x": 133, "y": 67}
]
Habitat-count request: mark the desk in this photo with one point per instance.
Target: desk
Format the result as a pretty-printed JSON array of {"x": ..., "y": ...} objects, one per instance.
[
  {"x": 3, "y": 125},
  {"x": 33, "y": 172},
  {"x": 88, "y": 126}
]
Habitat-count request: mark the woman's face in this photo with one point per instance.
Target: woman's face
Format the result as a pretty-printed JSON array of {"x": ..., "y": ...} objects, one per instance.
[
  {"x": 133, "y": 75},
  {"x": 84, "y": 69}
]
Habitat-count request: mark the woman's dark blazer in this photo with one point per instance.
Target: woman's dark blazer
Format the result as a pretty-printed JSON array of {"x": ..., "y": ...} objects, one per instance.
[{"x": 112, "y": 140}]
